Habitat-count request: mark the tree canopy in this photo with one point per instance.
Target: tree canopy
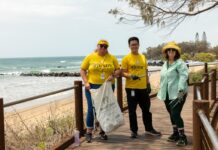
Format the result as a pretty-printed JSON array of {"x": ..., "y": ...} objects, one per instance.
[
  {"x": 163, "y": 13},
  {"x": 190, "y": 48}
]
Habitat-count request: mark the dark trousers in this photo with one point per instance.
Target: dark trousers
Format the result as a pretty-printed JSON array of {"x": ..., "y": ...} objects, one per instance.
[
  {"x": 142, "y": 98},
  {"x": 175, "y": 112}
]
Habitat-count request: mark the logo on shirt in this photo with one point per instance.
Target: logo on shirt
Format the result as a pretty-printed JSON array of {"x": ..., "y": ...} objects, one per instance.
[
  {"x": 136, "y": 67},
  {"x": 100, "y": 66}
]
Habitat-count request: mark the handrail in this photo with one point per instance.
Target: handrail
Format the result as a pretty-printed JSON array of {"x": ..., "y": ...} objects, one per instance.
[
  {"x": 156, "y": 70},
  {"x": 204, "y": 79},
  {"x": 198, "y": 94},
  {"x": 37, "y": 97},
  {"x": 202, "y": 109},
  {"x": 196, "y": 65},
  {"x": 210, "y": 131},
  {"x": 210, "y": 73}
]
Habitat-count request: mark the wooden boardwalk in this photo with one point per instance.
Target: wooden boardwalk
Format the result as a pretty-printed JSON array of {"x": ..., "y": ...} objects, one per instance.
[{"x": 120, "y": 139}]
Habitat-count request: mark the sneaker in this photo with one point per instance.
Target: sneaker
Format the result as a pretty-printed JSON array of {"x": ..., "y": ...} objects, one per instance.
[
  {"x": 103, "y": 136},
  {"x": 173, "y": 137},
  {"x": 89, "y": 137},
  {"x": 134, "y": 135},
  {"x": 182, "y": 141},
  {"x": 153, "y": 133}
]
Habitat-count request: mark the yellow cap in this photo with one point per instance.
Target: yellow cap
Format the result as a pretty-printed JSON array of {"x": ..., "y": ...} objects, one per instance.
[
  {"x": 103, "y": 42},
  {"x": 172, "y": 45}
]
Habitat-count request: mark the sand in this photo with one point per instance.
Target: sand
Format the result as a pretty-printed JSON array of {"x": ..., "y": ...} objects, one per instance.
[{"x": 40, "y": 113}]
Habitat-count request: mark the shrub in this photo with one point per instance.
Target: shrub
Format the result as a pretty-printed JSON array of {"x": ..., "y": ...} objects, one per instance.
[
  {"x": 186, "y": 56},
  {"x": 195, "y": 77},
  {"x": 204, "y": 57}
]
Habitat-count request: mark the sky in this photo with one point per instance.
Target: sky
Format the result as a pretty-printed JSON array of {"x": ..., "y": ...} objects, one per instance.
[{"x": 49, "y": 28}]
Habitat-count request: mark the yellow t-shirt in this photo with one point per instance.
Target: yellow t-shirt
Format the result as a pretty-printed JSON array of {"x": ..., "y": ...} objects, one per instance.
[
  {"x": 135, "y": 65},
  {"x": 99, "y": 67}
]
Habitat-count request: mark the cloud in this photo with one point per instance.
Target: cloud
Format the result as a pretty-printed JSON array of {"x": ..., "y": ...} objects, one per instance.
[{"x": 46, "y": 8}]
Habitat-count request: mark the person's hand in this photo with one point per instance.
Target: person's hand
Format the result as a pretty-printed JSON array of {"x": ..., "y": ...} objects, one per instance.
[
  {"x": 134, "y": 77},
  {"x": 110, "y": 78},
  {"x": 178, "y": 100},
  {"x": 181, "y": 95},
  {"x": 149, "y": 88},
  {"x": 87, "y": 86}
]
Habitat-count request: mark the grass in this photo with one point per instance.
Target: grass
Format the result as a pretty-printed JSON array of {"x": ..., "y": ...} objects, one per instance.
[
  {"x": 39, "y": 134},
  {"x": 198, "y": 76}
]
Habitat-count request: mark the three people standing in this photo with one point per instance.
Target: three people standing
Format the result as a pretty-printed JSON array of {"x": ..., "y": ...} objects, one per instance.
[{"x": 100, "y": 66}]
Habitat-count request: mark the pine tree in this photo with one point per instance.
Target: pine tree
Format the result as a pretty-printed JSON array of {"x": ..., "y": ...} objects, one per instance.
[
  {"x": 204, "y": 37},
  {"x": 196, "y": 37}
]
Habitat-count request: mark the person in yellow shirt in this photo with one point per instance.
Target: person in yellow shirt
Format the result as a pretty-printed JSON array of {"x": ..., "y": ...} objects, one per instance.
[
  {"x": 96, "y": 68},
  {"x": 134, "y": 68}
]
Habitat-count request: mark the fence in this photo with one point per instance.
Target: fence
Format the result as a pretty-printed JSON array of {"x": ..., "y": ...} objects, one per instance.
[
  {"x": 204, "y": 135},
  {"x": 2, "y": 106}
]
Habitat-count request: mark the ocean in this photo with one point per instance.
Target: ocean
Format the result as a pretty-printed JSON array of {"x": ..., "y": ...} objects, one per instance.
[
  {"x": 15, "y": 87},
  {"x": 16, "y": 66}
]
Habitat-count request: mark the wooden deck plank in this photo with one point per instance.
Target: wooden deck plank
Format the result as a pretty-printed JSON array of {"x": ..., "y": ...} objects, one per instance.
[{"x": 120, "y": 139}]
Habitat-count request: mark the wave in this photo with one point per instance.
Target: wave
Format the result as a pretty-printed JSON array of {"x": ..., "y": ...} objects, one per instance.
[
  {"x": 15, "y": 73},
  {"x": 72, "y": 67},
  {"x": 46, "y": 71},
  {"x": 76, "y": 62},
  {"x": 63, "y": 61}
]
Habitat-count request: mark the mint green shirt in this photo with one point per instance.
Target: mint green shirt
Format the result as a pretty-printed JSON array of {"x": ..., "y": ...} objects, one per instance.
[{"x": 173, "y": 79}]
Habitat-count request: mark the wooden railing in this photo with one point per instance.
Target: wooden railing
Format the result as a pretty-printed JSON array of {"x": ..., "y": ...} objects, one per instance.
[
  {"x": 204, "y": 134},
  {"x": 77, "y": 88}
]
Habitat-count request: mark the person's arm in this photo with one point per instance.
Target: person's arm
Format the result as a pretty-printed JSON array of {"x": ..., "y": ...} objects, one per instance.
[
  {"x": 124, "y": 68},
  {"x": 147, "y": 77},
  {"x": 116, "y": 74},
  {"x": 125, "y": 73},
  {"x": 183, "y": 76},
  {"x": 83, "y": 74},
  {"x": 117, "y": 71},
  {"x": 146, "y": 70}
]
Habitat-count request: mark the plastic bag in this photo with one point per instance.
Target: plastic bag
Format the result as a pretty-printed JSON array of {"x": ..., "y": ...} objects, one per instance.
[{"x": 108, "y": 112}]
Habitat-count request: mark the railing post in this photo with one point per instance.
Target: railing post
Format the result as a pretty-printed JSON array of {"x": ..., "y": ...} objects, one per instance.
[
  {"x": 79, "y": 107},
  {"x": 205, "y": 68},
  {"x": 213, "y": 85},
  {"x": 195, "y": 91},
  {"x": 206, "y": 87},
  {"x": 188, "y": 76},
  {"x": 198, "y": 85},
  {"x": 197, "y": 136},
  {"x": 120, "y": 92},
  {"x": 2, "y": 126}
]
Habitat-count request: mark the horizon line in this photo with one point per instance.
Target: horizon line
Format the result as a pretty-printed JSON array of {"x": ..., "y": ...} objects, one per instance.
[{"x": 45, "y": 56}]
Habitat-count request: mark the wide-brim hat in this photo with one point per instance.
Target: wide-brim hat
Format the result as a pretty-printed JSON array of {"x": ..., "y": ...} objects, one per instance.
[{"x": 172, "y": 45}]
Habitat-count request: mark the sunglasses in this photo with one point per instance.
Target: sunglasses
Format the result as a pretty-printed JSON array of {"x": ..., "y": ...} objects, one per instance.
[
  {"x": 103, "y": 46},
  {"x": 171, "y": 49}
]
